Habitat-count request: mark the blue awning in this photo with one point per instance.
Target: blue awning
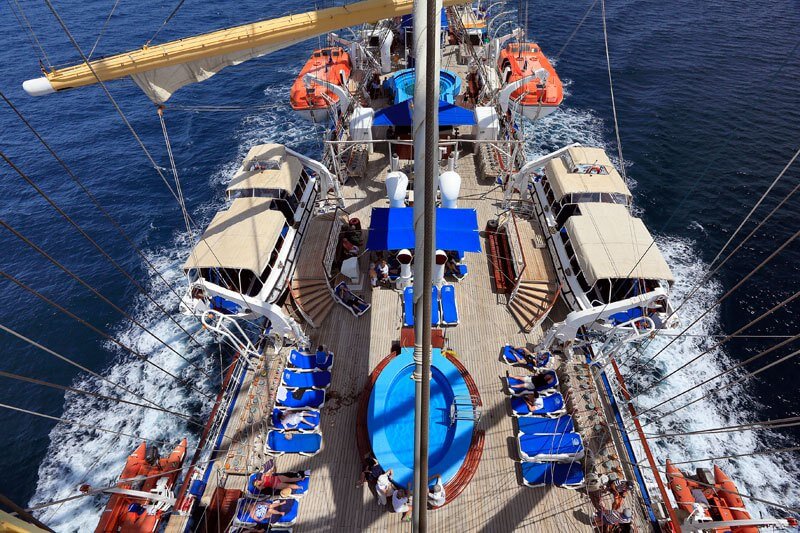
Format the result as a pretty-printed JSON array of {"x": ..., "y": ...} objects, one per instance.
[
  {"x": 400, "y": 115},
  {"x": 408, "y": 21},
  {"x": 392, "y": 228}
]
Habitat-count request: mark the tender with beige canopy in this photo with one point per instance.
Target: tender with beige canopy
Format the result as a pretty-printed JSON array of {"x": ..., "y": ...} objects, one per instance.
[
  {"x": 609, "y": 243},
  {"x": 241, "y": 237},
  {"x": 564, "y": 182},
  {"x": 278, "y": 170}
]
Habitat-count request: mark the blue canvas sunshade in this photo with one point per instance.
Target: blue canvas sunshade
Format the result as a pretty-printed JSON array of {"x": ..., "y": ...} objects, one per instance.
[
  {"x": 400, "y": 115},
  {"x": 408, "y": 20},
  {"x": 392, "y": 228}
]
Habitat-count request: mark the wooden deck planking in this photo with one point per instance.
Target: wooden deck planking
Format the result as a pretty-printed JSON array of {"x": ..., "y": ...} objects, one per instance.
[{"x": 494, "y": 500}]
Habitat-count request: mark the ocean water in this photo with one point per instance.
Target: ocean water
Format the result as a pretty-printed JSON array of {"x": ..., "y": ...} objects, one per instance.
[{"x": 707, "y": 107}]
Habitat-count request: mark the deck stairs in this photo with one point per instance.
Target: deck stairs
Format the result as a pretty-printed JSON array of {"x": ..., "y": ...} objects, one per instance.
[
  {"x": 531, "y": 302},
  {"x": 313, "y": 299}
]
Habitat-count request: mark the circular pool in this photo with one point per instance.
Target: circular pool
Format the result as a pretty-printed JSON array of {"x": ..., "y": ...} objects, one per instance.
[{"x": 390, "y": 418}]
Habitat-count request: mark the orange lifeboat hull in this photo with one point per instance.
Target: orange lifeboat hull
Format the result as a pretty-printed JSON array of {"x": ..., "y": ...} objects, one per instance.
[
  {"x": 312, "y": 100},
  {"x": 128, "y": 514},
  {"x": 537, "y": 98},
  {"x": 680, "y": 488},
  {"x": 730, "y": 495}
]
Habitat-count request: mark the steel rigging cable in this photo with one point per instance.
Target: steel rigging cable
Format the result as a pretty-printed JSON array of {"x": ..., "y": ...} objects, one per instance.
[
  {"x": 94, "y": 243},
  {"x": 99, "y": 295},
  {"x": 187, "y": 381},
  {"x": 96, "y": 203}
]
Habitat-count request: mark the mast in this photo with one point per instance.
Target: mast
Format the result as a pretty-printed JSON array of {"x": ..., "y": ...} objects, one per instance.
[{"x": 425, "y": 131}]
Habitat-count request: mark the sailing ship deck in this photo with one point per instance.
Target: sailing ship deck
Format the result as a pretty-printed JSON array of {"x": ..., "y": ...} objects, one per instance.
[{"x": 494, "y": 500}]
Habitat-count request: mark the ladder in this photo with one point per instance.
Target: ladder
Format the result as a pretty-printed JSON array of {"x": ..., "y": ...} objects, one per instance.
[{"x": 463, "y": 408}]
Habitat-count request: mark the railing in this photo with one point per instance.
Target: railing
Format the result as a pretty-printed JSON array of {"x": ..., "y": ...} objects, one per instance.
[{"x": 333, "y": 241}]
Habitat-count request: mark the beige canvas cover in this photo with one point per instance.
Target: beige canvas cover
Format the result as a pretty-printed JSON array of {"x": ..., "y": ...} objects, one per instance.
[
  {"x": 589, "y": 155},
  {"x": 284, "y": 177},
  {"x": 609, "y": 242},
  {"x": 564, "y": 182},
  {"x": 243, "y": 236}
]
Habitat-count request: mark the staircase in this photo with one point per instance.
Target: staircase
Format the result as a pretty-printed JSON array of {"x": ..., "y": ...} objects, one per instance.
[
  {"x": 313, "y": 299},
  {"x": 531, "y": 302}
]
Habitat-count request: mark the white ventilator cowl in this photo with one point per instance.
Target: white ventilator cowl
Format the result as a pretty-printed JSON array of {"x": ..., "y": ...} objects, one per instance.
[
  {"x": 450, "y": 186},
  {"x": 396, "y": 186}
]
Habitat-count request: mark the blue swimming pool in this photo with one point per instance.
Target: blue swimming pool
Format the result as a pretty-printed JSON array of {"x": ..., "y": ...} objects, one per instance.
[
  {"x": 401, "y": 85},
  {"x": 390, "y": 418}
]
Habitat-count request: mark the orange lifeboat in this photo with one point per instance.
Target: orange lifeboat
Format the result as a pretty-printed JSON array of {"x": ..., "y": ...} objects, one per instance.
[
  {"x": 680, "y": 488},
  {"x": 730, "y": 495},
  {"x": 127, "y": 512},
  {"x": 539, "y": 96},
  {"x": 313, "y": 100}
]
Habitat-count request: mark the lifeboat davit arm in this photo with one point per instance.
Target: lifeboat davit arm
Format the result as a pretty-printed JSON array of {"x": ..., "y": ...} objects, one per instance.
[
  {"x": 504, "y": 98},
  {"x": 519, "y": 181},
  {"x": 496, "y": 44},
  {"x": 338, "y": 90},
  {"x": 327, "y": 181}
]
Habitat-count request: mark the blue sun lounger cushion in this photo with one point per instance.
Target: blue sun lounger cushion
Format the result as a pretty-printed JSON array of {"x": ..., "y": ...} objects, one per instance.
[
  {"x": 449, "y": 309},
  {"x": 552, "y": 407},
  {"x": 408, "y": 307},
  {"x": 513, "y": 356},
  {"x": 561, "y": 447},
  {"x": 310, "y": 420},
  {"x": 545, "y": 389},
  {"x": 253, "y": 492},
  {"x": 435, "y": 306},
  {"x": 300, "y": 398},
  {"x": 310, "y": 362},
  {"x": 279, "y": 443},
  {"x": 530, "y": 425},
  {"x": 254, "y": 513},
  {"x": 566, "y": 475},
  {"x": 306, "y": 380}
]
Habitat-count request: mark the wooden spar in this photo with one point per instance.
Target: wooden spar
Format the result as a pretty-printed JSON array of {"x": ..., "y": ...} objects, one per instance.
[{"x": 272, "y": 32}]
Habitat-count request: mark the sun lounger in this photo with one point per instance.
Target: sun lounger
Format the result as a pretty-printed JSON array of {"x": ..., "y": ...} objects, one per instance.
[
  {"x": 252, "y": 492},
  {"x": 354, "y": 303},
  {"x": 408, "y": 307},
  {"x": 558, "y": 425},
  {"x": 299, "y": 399},
  {"x": 449, "y": 309},
  {"x": 279, "y": 443},
  {"x": 544, "y": 390},
  {"x": 251, "y": 513},
  {"x": 306, "y": 380},
  {"x": 310, "y": 424},
  {"x": 511, "y": 356},
  {"x": 552, "y": 407},
  {"x": 435, "y": 306},
  {"x": 310, "y": 362},
  {"x": 566, "y": 475},
  {"x": 540, "y": 448}
]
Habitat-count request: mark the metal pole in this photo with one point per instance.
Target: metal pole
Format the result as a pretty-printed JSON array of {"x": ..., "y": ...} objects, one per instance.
[{"x": 426, "y": 133}]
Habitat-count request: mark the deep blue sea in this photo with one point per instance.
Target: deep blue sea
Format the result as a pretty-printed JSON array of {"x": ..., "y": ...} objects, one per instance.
[{"x": 708, "y": 111}]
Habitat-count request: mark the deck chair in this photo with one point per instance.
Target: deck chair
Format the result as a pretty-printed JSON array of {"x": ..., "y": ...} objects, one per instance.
[
  {"x": 299, "y": 399},
  {"x": 544, "y": 390},
  {"x": 449, "y": 308},
  {"x": 435, "y": 320},
  {"x": 259, "y": 494},
  {"x": 305, "y": 362},
  {"x": 543, "y": 426},
  {"x": 552, "y": 407},
  {"x": 566, "y": 475},
  {"x": 279, "y": 443},
  {"x": 354, "y": 303},
  {"x": 306, "y": 380},
  {"x": 310, "y": 423},
  {"x": 252, "y": 514},
  {"x": 511, "y": 356},
  {"x": 562, "y": 447},
  {"x": 408, "y": 307}
]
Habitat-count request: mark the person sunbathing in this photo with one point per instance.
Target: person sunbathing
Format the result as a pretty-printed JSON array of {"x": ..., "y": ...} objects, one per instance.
[
  {"x": 294, "y": 419},
  {"x": 522, "y": 355},
  {"x": 270, "y": 480},
  {"x": 264, "y": 511},
  {"x": 538, "y": 381},
  {"x": 533, "y": 401}
]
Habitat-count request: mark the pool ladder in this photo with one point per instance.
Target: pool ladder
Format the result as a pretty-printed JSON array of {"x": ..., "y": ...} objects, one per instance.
[{"x": 463, "y": 408}]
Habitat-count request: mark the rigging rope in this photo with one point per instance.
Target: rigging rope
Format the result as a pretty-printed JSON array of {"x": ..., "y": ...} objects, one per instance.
[
  {"x": 9, "y": 375},
  {"x": 727, "y": 294},
  {"x": 726, "y": 339},
  {"x": 28, "y": 29},
  {"x": 101, "y": 296},
  {"x": 174, "y": 168},
  {"x": 90, "y": 427},
  {"x": 96, "y": 203},
  {"x": 94, "y": 243},
  {"x": 103, "y": 29},
  {"x": 110, "y": 97},
  {"x": 79, "y": 366},
  {"x": 767, "y": 424},
  {"x": 166, "y": 21},
  {"x": 187, "y": 382},
  {"x": 575, "y": 31}
]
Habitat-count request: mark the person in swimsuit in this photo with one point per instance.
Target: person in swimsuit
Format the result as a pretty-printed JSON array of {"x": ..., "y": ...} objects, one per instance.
[
  {"x": 269, "y": 480},
  {"x": 538, "y": 381},
  {"x": 533, "y": 401},
  {"x": 294, "y": 419}
]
